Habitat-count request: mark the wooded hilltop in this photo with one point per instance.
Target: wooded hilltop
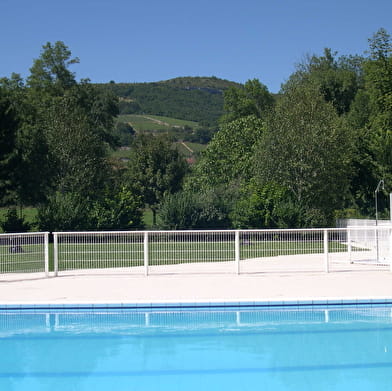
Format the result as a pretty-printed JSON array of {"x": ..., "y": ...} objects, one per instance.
[{"x": 301, "y": 158}]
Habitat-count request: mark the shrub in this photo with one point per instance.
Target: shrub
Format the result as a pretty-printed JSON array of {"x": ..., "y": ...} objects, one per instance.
[{"x": 14, "y": 223}]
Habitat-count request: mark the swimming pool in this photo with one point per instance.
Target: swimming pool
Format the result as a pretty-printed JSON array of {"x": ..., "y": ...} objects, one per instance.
[{"x": 335, "y": 347}]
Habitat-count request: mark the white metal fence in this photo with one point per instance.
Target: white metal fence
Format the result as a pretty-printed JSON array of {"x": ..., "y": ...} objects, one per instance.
[
  {"x": 238, "y": 251},
  {"x": 228, "y": 251},
  {"x": 24, "y": 253}
]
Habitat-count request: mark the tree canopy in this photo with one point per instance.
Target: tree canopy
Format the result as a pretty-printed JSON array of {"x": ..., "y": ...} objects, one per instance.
[{"x": 300, "y": 158}]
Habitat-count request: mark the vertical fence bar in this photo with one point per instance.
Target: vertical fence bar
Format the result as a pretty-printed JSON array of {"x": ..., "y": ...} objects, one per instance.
[
  {"x": 55, "y": 254},
  {"x": 390, "y": 250},
  {"x": 145, "y": 253},
  {"x": 326, "y": 260},
  {"x": 349, "y": 248},
  {"x": 237, "y": 251},
  {"x": 46, "y": 249}
]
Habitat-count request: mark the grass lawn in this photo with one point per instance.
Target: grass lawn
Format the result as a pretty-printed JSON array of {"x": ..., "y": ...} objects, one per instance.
[{"x": 28, "y": 259}]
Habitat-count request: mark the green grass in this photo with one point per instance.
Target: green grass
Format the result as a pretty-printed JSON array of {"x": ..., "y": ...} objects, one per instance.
[
  {"x": 148, "y": 219},
  {"x": 154, "y": 123},
  {"x": 193, "y": 148},
  {"x": 196, "y": 147},
  {"x": 30, "y": 260}
]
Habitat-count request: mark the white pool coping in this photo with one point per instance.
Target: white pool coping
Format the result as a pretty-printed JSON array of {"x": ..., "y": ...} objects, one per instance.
[{"x": 126, "y": 289}]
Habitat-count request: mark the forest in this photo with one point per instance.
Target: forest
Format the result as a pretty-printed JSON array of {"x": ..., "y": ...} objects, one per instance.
[{"x": 304, "y": 157}]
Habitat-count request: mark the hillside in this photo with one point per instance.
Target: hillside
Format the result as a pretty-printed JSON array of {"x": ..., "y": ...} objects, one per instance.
[{"x": 197, "y": 99}]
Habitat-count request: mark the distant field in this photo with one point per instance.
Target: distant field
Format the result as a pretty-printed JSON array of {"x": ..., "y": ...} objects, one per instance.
[
  {"x": 188, "y": 149},
  {"x": 154, "y": 123},
  {"x": 196, "y": 147}
]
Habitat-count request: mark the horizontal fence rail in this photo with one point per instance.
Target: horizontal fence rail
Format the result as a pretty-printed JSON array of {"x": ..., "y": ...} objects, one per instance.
[
  {"x": 226, "y": 251},
  {"x": 24, "y": 253}
]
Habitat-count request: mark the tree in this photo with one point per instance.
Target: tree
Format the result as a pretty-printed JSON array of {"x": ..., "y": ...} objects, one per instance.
[
  {"x": 155, "y": 168},
  {"x": 370, "y": 120},
  {"x": 190, "y": 210},
  {"x": 72, "y": 123},
  {"x": 8, "y": 132},
  {"x": 77, "y": 153},
  {"x": 50, "y": 72},
  {"x": 337, "y": 80},
  {"x": 378, "y": 85},
  {"x": 229, "y": 156},
  {"x": 253, "y": 99},
  {"x": 117, "y": 209},
  {"x": 64, "y": 212},
  {"x": 307, "y": 150}
]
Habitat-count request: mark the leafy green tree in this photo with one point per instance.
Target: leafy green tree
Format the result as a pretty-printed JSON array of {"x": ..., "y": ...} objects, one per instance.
[
  {"x": 124, "y": 134},
  {"x": 31, "y": 171},
  {"x": 64, "y": 212},
  {"x": 71, "y": 122},
  {"x": 76, "y": 151},
  {"x": 378, "y": 84},
  {"x": 156, "y": 168},
  {"x": 117, "y": 209},
  {"x": 257, "y": 205},
  {"x": 370, "y": 121},
  {"x": 337, "y": 80},
  {"x": 8, "y": 134},
  {"x": 229, "y": 156},
  {"x": 189, "y": 210},
  {"x": 308, "y": 151},
  {"x": 253, "y": 99},
  {"x": 50, "y": 72}
]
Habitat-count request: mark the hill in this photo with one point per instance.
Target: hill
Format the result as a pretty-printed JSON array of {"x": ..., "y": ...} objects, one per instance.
[{"x": 197, "y": 99}]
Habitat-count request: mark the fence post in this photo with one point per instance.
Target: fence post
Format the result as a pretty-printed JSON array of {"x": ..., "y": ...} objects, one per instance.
[
  {"x": 326, "y": 260},
  {"x": 145, "y": 252},
  {"x": 349, "y": 244},
  {"x": 237, "y": 251},
  {"x": 46, "y": 245},
  {"x": 390, "y": 250},
  {"x": 55, "y": 254}
]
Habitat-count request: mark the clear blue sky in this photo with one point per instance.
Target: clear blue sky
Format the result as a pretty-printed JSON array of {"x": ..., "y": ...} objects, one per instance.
[{"x": 152, "y": 40}]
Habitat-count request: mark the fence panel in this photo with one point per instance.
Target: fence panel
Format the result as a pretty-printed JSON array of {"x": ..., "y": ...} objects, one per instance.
[
  {"x": 281, "y": 250},
  {"x": 24, "y": 253},
  {"x": 99, "y": 250},
  {"x": 146, "y": 252},
  {"x": 191, "y": 252}
]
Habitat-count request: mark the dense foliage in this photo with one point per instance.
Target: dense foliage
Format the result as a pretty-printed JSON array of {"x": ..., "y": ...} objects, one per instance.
[{"x": 301, "y": 158}]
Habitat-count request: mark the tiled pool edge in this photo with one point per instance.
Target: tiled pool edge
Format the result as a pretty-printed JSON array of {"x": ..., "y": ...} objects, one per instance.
[{"x": 213, "y": 305}]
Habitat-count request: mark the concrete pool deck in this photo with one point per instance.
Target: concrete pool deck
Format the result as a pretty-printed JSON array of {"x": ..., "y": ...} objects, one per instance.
[{"x": 126, "y": 288}]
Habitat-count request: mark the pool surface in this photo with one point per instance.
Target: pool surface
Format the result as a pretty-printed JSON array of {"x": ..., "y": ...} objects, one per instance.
[{"x": 197, "y": 348}]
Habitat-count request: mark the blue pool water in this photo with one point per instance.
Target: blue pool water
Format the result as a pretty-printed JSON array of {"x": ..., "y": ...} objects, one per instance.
[{"x": 317, "y": 348}]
